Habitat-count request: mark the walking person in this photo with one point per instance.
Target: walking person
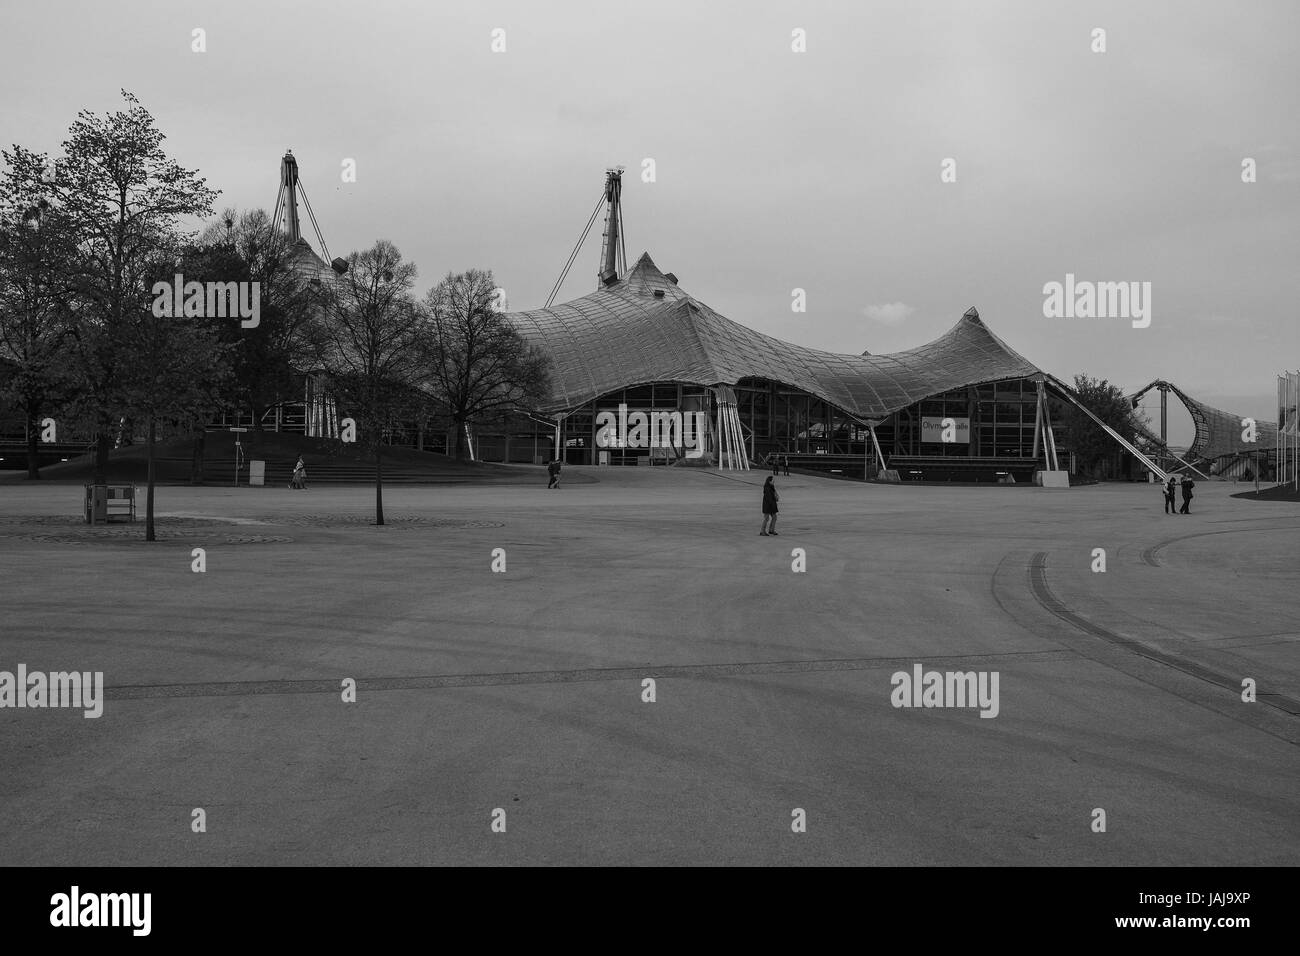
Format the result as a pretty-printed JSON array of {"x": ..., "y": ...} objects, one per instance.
[
  {"x": 776, "y": 463},
  {"x": 299, "y": 480},
  {"x": 1170, "y": 486},
  {"x": 770, "y": 498},
  {"x": 785, "y": 465},
  {"x": 1188, "y": 485},
  {"x": 553, "y": 469}
]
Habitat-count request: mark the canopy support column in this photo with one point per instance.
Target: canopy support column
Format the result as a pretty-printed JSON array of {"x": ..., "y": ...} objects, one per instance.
[
  {"x": 721, "y": 442},
  {"x": 1049, "y": 444},
  {"x": 880, "y": 457},
  {"x": 1038, "y": 420}
]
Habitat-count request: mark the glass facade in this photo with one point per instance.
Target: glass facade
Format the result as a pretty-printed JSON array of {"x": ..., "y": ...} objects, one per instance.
[{"x": 995, "y": 437}]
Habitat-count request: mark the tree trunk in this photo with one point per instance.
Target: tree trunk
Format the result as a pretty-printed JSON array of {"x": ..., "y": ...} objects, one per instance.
[
  {"x": 196, "y": 457},
  {"x": 33, "y": 447},
  {"x": 379, "y": 484},
  {"x": 101, "y": 455},
  {"x": 148, "y": 506}
]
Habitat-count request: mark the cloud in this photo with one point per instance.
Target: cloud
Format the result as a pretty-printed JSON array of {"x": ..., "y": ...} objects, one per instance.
[{"x": 891, "y": 313}]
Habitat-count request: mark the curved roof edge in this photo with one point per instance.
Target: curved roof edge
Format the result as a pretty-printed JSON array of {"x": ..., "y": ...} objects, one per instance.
[
  {"x": 1218, "y": 432},
  {"x": 645, "y": 328}
]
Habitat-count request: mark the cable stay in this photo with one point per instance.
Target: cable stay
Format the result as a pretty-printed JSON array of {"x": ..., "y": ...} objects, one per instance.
[
  {"x": 586, "y": 231},
  {"x": 613, "y": 254},
  {"x": 286, "y": 210},
  {"x": 314, "y": 225}
]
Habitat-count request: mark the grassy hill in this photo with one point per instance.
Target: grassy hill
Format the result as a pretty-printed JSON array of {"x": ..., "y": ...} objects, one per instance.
[
  {"x": 327, "y": 461},
  {"x": 1276, "y": 493}
]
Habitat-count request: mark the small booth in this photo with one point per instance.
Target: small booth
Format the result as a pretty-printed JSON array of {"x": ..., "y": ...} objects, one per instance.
[{"x": 105, "y": 502}]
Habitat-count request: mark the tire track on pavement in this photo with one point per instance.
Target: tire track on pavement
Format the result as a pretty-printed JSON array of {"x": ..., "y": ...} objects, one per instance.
[
  {"x": 1169, "y": 672},
  {"x": 576, "y": 675}
]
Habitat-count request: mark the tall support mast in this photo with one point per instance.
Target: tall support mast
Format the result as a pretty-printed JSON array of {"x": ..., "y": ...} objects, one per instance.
[
  {"x": 289, "y": 195},
  {"x": 610, "y": 252},
  {"x": 286, "y": 210}
]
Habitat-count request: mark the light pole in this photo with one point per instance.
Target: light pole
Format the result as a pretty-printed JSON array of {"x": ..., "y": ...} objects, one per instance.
[{"x": 239, "y": 452}]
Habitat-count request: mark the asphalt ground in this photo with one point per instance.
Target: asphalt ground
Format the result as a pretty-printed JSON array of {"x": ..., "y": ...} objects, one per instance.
[{"x": 520, "y": 695}]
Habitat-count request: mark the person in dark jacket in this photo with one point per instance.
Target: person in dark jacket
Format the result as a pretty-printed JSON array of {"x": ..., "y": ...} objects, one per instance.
[
  {"x": 770, "y": 498},
  {"x": 785, "y": 465},
  {"x": 1171, "y": 485},
  {"x": 553, "y": 469},
  {"x": 1188, "y": 485},
  {"x": 776, "y": 463}
]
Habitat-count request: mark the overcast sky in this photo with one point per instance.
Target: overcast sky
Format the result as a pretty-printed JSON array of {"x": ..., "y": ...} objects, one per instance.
[{"x": 775, "y": 170}]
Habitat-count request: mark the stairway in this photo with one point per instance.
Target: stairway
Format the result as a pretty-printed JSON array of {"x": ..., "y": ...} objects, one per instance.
[{"x": 278, "y": 473}]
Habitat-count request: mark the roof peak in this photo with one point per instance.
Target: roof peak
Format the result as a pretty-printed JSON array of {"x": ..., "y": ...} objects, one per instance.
[
  {"x": 646, "y": 278},
  {"x": 971, "y": 319}
]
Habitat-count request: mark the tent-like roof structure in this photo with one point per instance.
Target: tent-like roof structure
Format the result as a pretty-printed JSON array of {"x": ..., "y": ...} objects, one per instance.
[
  {"x": 643, "y": 328},
  {"x": 1218, "y": 433},
  {"x": 304, "y": 259}
]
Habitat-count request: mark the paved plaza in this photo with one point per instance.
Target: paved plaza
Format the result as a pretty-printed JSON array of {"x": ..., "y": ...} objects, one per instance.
[{"x": 523, "y": 691}]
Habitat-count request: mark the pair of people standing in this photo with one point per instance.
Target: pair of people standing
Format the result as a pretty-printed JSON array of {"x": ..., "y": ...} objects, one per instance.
[{"x": 1172, "y": 485}]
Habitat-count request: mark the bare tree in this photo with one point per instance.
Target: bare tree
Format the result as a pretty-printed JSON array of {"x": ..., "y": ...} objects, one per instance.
[
  {"x": 365, "y": 345},
  {"x": 478, "y": 366},
  {"x": 267, "y": 359}
]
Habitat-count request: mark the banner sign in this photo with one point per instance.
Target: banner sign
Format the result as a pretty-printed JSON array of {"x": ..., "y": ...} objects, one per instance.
[{"x": 957, "y": 431}]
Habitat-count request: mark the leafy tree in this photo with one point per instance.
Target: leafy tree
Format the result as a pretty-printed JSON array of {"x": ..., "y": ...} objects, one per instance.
[
  {"x": 173, "y": 370},
  {"x": 36, "y": 248},
  {"x": 365, "y": 342},
  {"x": 1092, "y": 446},
  {"x": 478, "y": 366},
  {"x": 124, "y": 198}
]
